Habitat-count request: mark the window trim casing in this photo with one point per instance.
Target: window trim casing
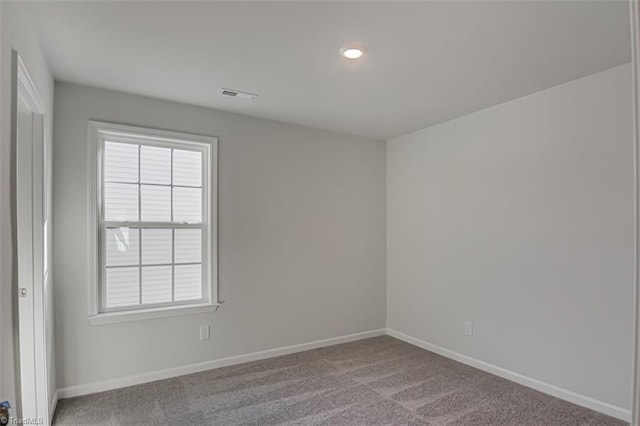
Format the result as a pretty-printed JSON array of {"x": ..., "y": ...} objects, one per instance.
[{"x": 97, "y": 130}]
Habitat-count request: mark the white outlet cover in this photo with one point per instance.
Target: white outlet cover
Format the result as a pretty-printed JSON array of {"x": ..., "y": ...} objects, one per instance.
[
  {"x": 468, "y": 328},
  {"x": 204, "y": 332}
]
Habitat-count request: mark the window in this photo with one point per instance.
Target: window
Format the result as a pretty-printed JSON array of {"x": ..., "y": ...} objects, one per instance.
[{"x": 153, "y": 222}]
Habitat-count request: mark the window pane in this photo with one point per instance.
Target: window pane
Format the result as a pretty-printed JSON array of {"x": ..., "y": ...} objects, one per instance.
[
  {"x": 156, "y": 284},
  {"x": 187, "y": 168},
  {"x": 187, "y": 205},
  {"x": 122, "y": 287},
  {"x": 155, "y": 165},
  {"x": 121, "y": 201},
  {"x": 156, "y": 203},
  {"x": 156, "y": 246},
  {"x": 188, "y": 246},
  {"x": 188, "y": 282},
  {"x": 122, "y": 246},
  {"x": 120, "y": 162}
]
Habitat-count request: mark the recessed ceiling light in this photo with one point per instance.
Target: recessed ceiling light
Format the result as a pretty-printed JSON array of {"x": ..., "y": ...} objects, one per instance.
[{"x": 352, "y": 52}]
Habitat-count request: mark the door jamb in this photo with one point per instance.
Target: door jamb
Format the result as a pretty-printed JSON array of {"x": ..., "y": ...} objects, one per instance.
[{"x": 24, "y": 89}]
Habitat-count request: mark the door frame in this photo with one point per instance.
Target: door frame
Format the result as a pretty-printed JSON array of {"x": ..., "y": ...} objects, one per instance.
[
  {"x": 31, "y": 211},
  {"x": 634, "y": 12}
]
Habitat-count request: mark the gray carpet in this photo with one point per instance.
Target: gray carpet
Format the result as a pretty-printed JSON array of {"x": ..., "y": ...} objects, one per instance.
[{"x": 370, "y": 382}]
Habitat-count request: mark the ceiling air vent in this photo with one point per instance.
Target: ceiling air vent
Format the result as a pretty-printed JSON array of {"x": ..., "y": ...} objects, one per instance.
[{"x": 236, "y": 94}]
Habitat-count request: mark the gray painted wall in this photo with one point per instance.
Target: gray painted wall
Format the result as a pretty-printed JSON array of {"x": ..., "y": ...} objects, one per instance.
[
  {"x": 17, "y": 32},
  {"x": 519, "y": 218},
  {"x": 301, "y": 239}
]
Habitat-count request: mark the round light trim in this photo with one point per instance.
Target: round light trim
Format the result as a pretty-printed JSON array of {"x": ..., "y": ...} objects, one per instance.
[{"x": 352, "y": 52}]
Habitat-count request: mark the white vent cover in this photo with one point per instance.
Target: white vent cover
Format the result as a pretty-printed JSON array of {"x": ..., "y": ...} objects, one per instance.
[{"x": 232, "y": 93}]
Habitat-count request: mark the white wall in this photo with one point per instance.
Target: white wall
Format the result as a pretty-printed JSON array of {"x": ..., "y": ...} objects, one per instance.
[
  {"x": 301, "y": 239},
  {"x": 19, "y": 33},
  {"x": 519, "y": 218}
]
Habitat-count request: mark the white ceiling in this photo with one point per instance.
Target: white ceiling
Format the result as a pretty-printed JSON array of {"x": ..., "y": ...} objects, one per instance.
[{"x": 427, "y": 62}]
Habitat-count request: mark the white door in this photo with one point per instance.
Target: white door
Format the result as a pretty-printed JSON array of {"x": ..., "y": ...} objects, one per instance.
[{"x": 32, "y": 247}]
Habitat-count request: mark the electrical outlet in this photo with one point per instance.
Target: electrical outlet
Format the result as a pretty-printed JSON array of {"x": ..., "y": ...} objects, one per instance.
[
  {"x": 468, "y": 328},
  {"x": 204, "y": 332}
]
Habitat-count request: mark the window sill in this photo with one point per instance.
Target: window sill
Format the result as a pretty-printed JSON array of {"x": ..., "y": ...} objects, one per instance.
[{"x": 144, "y": 314}]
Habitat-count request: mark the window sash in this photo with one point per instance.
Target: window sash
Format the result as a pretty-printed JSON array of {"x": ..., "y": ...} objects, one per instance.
[
  {"x": 207, "y": 146},
  {"x": 204, "y": 287}
]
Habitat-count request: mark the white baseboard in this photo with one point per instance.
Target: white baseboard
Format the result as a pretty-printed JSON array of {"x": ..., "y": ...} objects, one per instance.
[
  {"x": 52, "y": 405},
  {"x": 567, "y": 395},
  {"x": 152, "y": 376}
]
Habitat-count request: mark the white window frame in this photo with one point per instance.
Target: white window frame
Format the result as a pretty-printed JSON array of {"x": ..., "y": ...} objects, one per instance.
[{"x": 98, "y": 133}]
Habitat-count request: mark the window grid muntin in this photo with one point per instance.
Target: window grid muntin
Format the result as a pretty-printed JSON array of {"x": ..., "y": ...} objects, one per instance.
[
  {"x": 139, "y": 231},
  {"x": 206, "y": 179}
]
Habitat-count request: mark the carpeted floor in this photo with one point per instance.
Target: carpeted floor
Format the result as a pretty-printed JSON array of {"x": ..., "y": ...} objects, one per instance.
[{"x": 369, "y": 382}]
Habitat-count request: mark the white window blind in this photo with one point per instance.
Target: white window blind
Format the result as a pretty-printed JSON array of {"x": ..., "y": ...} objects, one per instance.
[{"x": 155, "y": 221}]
